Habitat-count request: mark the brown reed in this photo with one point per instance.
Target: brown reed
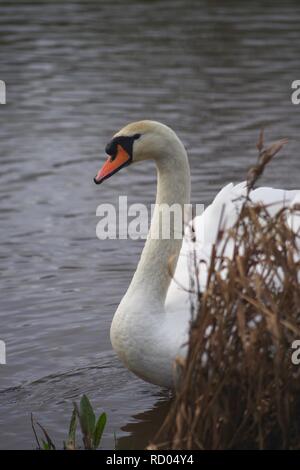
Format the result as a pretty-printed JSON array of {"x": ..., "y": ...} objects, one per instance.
[{"x": 239, "y": 388}]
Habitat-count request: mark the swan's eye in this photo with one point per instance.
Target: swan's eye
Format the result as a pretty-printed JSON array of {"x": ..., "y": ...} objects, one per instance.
[
  {"x": 111, "y": 149},
  {"x": 126, "y": 143}
]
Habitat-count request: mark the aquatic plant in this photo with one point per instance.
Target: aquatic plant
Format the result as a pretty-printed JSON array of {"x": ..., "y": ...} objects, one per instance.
[
  {"x": 239, "y": 387},
  {"x": 91, "y": 428}
]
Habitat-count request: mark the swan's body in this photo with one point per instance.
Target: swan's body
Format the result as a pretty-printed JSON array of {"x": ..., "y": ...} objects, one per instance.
[{"x": 150, "y": 327}]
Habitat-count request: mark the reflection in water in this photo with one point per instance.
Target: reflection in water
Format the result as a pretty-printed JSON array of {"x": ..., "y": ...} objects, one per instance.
[
  {"x": 75, "y": 73},
  {"x": 145, "y": 425}
]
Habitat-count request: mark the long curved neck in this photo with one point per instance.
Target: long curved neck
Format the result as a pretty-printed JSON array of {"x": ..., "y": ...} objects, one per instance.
[{"x": 159, "y": 257}]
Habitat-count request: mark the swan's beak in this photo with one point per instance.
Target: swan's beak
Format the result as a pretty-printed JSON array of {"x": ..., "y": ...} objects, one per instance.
[{"x": 112, "y": 165}]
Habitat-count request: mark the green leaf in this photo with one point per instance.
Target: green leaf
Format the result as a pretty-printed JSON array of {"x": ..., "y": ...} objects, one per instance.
[
  {"x": 46, "y": 446},
  {"x": 87, "y": 417},
  {"x": 48, "y": 442},
  {"x": 72, "y": 431},
  {"x": 99, "y": 430},
  {"x": 34, "y": 432},
  {"x": 115, "y": 441}
]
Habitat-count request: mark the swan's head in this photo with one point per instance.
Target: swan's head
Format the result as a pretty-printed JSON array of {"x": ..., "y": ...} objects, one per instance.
[{"x": 142, "y": 140}]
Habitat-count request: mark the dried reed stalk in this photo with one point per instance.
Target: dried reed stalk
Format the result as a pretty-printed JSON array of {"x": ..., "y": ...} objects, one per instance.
[{"x": 239, "y": 388}]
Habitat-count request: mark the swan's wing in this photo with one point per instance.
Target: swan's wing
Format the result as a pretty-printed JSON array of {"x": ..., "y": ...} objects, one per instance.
[
  {"x": 221, "y": 213},
  {"x": 204, "y": 229}
]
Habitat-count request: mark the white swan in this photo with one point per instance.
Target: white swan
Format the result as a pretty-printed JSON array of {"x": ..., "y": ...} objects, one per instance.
[{"x": 150, "y": 327}]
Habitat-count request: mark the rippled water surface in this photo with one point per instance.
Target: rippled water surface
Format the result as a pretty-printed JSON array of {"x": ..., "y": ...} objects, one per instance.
[{"x": 75, "y": 72}]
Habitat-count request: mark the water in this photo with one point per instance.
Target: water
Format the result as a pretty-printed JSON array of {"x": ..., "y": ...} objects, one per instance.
[{"x": 75, "y": 73}]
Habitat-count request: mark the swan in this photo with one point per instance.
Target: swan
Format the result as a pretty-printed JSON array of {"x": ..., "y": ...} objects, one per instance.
[{"x": 151, "y": 325}]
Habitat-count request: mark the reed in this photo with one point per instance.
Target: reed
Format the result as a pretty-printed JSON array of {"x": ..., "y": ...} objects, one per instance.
[{"x": 239, "y": 388}]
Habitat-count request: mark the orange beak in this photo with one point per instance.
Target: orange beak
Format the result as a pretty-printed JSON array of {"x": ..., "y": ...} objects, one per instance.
[{"x": 112, "y": 165}]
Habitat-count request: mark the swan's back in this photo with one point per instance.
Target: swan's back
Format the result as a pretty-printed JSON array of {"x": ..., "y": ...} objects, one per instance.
[{"x": 221, "y": 213}]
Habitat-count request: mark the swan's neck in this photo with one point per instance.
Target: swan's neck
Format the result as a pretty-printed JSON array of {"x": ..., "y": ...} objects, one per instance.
[
  {"x": 140, "y": 333},
  {"x": 159, "y": 257}
]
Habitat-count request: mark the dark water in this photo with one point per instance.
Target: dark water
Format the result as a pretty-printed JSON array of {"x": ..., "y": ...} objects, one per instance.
[{"x": 75, "y": 72}]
